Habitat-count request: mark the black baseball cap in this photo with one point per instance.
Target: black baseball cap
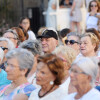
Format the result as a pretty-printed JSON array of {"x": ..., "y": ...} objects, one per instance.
[{"x": 48, "y": 34}]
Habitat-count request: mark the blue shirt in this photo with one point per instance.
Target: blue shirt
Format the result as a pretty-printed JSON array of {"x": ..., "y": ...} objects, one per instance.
[{"x": 3, "y": 78}]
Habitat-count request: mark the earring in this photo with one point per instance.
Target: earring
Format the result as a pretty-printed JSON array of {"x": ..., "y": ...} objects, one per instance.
[{"x": 51, "y": 82}]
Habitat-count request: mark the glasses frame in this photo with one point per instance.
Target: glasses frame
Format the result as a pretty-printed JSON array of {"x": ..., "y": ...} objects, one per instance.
[{"x": 71, "y": 42}]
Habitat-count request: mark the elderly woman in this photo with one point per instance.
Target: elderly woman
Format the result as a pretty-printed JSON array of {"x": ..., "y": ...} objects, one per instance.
[
  {"x": 6, "y": 46},
  {"x": 73, "y": 41},
  {"x": 89, "y": 44},
  {"x": 94, "y": 15},
  {"x": 19, "y": 63},
  {"x": 3, "y": 74},
  {"x": 35, "y": 47},
  {"x": 67, "y": 55},
  {"x": 49, "y": 75},
  {"x": 83, "y": 74},
  {"x": 12, "y": 35}
]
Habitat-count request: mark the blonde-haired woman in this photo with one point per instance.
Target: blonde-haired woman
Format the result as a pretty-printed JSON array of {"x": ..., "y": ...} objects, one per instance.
[
  {"x": 67, "y": 55},
  {"x": 89, "y": 44}
]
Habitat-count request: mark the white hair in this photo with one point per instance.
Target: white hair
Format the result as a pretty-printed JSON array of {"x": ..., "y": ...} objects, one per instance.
[
  {"x": 89, "y": 66},
  {"x": 10, "y": 44},
  {"x": 1, "y": 54}
]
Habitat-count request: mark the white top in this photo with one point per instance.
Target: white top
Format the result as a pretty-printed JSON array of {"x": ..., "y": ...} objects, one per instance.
[
  {"x": 92, "y": 21},
  {"x": 93, "y": 94},
  {"x": 55, "y": 95},
  {"x": 31, "y": 35},
  {"x": 65, "y": 86}
]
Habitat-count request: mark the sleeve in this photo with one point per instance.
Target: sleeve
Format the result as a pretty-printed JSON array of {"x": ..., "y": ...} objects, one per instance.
[
  {"x": 28, "y": 89},
  {"x": 31, "y": 35}
]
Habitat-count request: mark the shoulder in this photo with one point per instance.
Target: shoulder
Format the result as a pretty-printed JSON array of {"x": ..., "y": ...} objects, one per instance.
[
  {"x": 34, "y": 94},
  {"x": 27, "y": 89}
]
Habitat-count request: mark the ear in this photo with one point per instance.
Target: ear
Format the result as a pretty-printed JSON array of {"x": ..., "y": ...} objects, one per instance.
[
  {"x": 89, "y": 78},
  {"x": 23, "y": 72},
  {"x": 94, "y": 45}
]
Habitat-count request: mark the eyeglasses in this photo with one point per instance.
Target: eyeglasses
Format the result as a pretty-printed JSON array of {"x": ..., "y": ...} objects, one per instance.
[
  {"x": 93, "y": 5},
  {"x": 11, "y": 65},
  {"x": 76, "y": 72},
  {"x": 4, "y": 48},
  {"x": 71, "y": 42}
]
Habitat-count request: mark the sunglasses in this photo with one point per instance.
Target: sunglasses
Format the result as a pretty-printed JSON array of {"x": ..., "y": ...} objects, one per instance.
[
  {"x": 71, "y": 42},
  {"x": 93, "y": 5},
  {"x": 3, "y": 48}
]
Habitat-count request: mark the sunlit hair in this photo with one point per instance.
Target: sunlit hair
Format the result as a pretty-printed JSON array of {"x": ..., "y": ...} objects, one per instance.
[
  {"x": 93, "y": 38},
  {"x": 88, "y": 66},
  {"x": 67, "y": 52},
  {"x": 20, "y": 33},
  {"x": 55, "y": 65},
  {"x": 98, "y": 4}
]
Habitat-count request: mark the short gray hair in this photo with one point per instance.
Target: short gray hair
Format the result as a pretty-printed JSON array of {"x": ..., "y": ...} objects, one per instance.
[
  {"x": 1, "y": 54},
  {"x": 33, "y": 45},
  {"x": 74, "y": 34},
  {"x": 25, "y": 58},
  {"x": 10, "y": 44},
  {"x": 89, "y": 66}
]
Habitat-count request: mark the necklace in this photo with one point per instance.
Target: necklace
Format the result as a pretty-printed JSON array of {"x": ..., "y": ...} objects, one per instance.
[{"x": 45, "y": 93}]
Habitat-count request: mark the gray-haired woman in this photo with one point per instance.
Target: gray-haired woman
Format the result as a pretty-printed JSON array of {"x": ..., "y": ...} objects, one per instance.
[
  {"x": 35, "y": 47},
  {"x": 19, "y": 63},
  {"x": 6, "y": 46},
  {"x": 83, "y": 74}
]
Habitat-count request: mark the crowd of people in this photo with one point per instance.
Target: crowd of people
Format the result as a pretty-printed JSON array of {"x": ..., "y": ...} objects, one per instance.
[{"x": 51, "y": 65}]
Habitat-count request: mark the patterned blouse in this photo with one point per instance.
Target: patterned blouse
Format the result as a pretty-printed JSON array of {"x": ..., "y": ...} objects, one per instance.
[{"x": 26, "y": 89}]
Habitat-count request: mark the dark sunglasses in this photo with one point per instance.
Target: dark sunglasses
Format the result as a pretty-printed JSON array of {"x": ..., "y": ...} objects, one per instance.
[
  {"x": 3, "y": 48},
  {"x": 71, "y": 42},
  {"x": 93, "y": 5}
]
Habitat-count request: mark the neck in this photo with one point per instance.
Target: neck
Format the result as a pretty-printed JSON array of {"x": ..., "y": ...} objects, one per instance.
[
  {"x": 90, "y": 54},
  {"x": 19, "y": 81},
  {"x": 82, "y": 89}
]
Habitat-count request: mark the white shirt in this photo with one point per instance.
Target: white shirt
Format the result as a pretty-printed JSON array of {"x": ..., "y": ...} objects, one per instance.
[
  {"x": 92, "y": 21},
  {"x": 93, "y": 94},
  {"x": 31, "y": 35},
  {"x": 55, "y": 95}
]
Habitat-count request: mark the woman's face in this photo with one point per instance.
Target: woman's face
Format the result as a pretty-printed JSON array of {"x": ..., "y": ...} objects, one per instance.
[
  {"x": 43, "y": 74},
  {"x": 25, "y": 24},
  {"x": 78, "y": 77},
  {"x": 94, "y": 6},
  {"x": 13, "y": 70},
  {"x": 86, "y": 46}
]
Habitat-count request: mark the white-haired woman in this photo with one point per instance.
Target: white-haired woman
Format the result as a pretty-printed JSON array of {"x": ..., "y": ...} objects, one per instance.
[
  {"x": 18, "y": 65},
  {"x": 6, "y": 46},
  {"x": 83, "y": 74},
  {"x": 3, "y": 74}
]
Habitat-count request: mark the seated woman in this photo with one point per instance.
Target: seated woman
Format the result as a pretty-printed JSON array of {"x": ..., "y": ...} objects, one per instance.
[
  {"x": 18, "y": 65},
  {"x": 49, "y": 75},
  {"x": 89, "y": 44},
  {"x": 67, "y": 55},
  {"x": 3, "y": 74},
  {"x": 83, "y": 74}
]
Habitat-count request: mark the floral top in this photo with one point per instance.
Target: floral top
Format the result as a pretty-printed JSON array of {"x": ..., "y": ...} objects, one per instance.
[{"x": 26, "y": 89}]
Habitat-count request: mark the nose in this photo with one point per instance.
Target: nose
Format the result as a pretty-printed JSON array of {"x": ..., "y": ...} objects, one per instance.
[
  {"x": 7, "y": 68},
  {"x": 72, "y": 74},
  {"x": 37, "y": 74},
  {"x": 43, "y": 42}
]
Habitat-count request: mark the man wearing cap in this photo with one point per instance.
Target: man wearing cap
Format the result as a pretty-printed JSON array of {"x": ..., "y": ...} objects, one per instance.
[{"x": 49, "y": 40}]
